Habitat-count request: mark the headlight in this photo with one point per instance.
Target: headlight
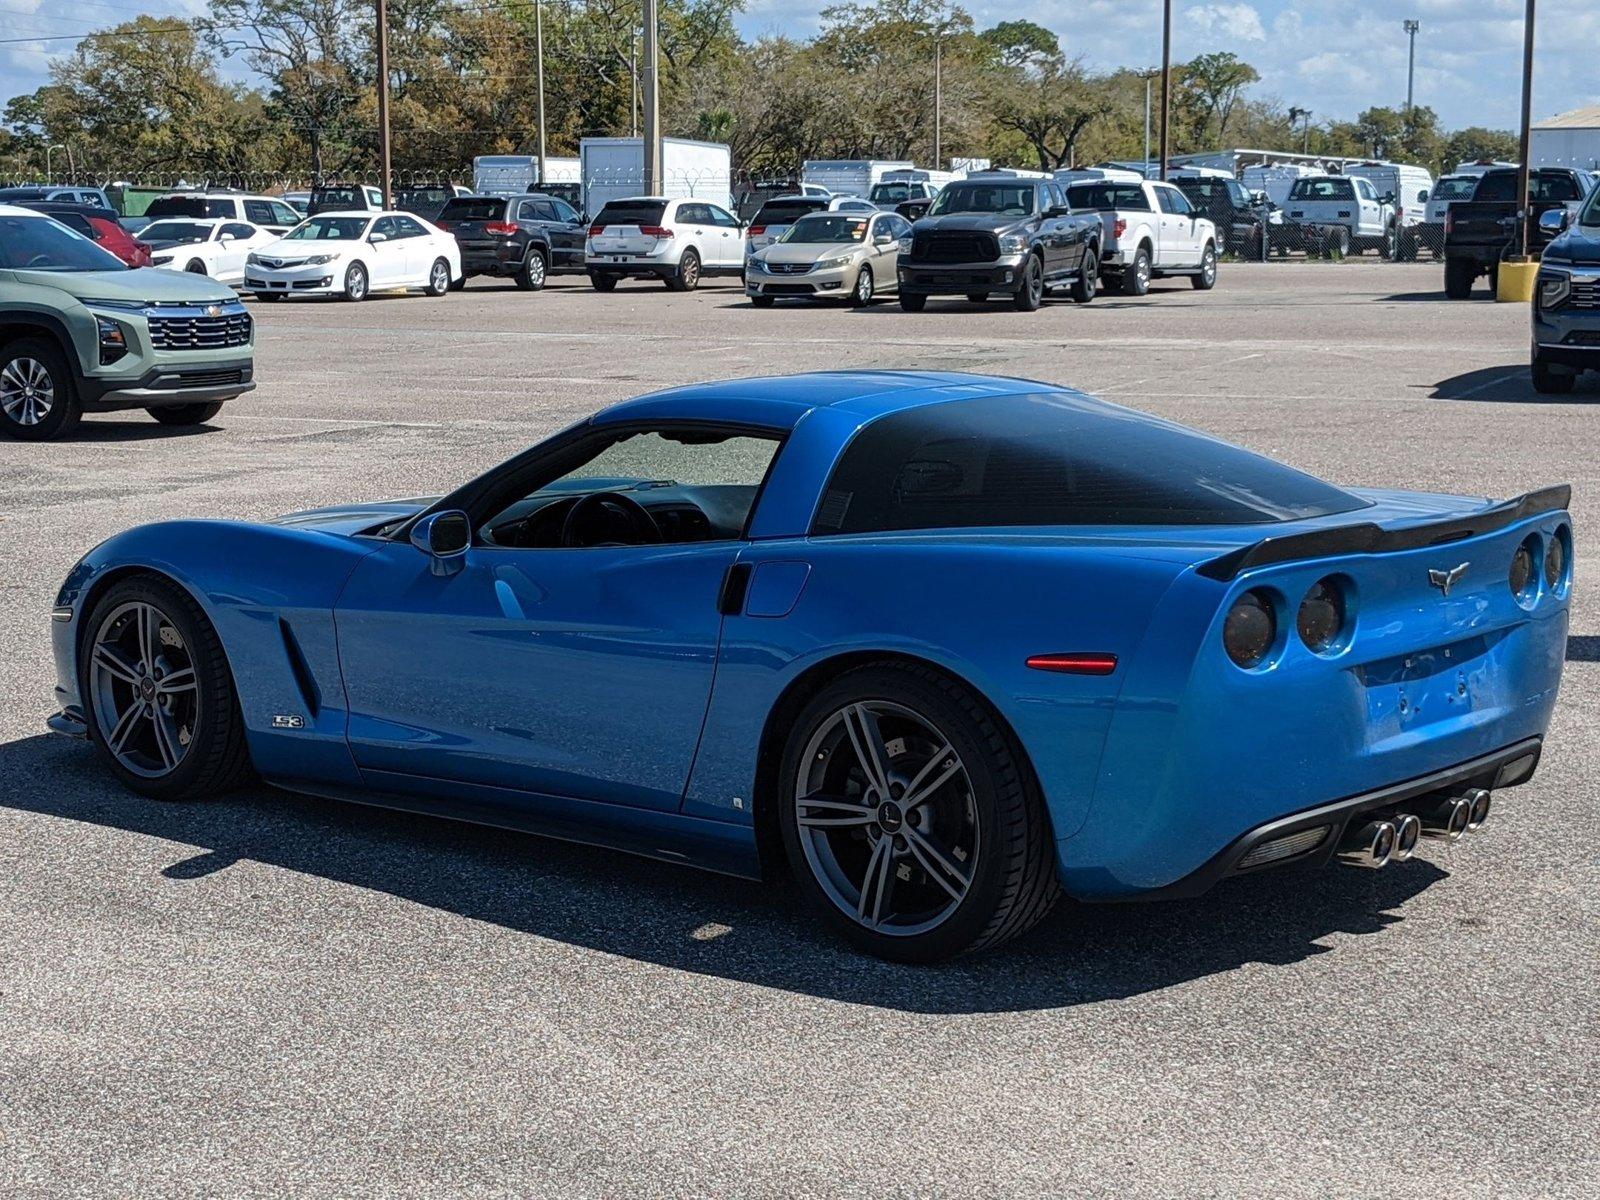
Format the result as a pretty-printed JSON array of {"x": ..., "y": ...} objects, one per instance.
[
  {"x": 756, "y": 265},
  {"x": 1013, "y": 243},
  {"x": 158, "y": 259},
  {"x": 316, "y": 260},
  {"x": 1250, "y": 629},
  {"x": 1554, "y": 289},
  {"x": 252, "y": 259},
  {"x": 834, "y": 263}
]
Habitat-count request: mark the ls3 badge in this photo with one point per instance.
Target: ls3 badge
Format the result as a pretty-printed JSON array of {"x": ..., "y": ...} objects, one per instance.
[{"x": 288, "y": 721}]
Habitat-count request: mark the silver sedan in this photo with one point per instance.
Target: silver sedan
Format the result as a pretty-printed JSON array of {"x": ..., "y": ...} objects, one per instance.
[{"x": 829, "y": 255}]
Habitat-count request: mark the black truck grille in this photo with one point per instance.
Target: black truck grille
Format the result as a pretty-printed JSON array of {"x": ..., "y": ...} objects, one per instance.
[
  {"x": 200, "y": 332},
  {"x": 954, "y": 247}
]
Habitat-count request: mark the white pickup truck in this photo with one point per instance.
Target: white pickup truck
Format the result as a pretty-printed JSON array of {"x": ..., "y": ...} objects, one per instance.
[
  {"x": 1339, "y": 215},
  {"x": 1149, "y": 229}
]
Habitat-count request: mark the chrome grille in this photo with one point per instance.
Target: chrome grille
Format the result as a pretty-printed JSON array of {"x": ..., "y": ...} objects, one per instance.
[
  {"x": 782, "y": 268},
  {"x": 211, "y": 327},
  {"x": 1585, "y": 292}
]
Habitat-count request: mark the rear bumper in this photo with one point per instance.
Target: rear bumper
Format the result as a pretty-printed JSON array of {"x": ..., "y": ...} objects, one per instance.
[
  {"x": 170, "y": 384},
  {"x": 502, "y": 260},
  {"x": 959, "y": 279},
  {"x": 1513, "y": 765}
]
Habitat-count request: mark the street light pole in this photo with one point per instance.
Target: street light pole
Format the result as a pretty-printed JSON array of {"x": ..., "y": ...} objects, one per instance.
[
  {"x": 938, "y": 92},
  {"x": 1166, "y": 80},
  {"x": 49, "y": 175},
  {"x": 1526, "y": 215},
  {"x": 650, "y": 87},
  {"x": 383, "y": 102},
  {"x": 538, "y": 41},
  {"x": 1148, "y": 80},
  {"x": 1411, "y": 28}
]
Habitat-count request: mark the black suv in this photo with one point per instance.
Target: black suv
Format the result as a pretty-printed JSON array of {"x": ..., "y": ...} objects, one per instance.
[
  {"x": 1230, "y": 206},
  {"x": 525, "y": 238},
  {"x": 1002, "y": 233}
]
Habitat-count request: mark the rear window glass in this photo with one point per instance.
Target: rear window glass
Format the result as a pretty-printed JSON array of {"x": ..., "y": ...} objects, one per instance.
[
  {"x": 473, "y": 208},
  {"x": 783, "y": 212},
  {"x": 348, "y": 197},
  {"x": 1501, "y": 186},
  {"x": 1108, "y": 196},
  {"x": 189, "y": 206},
  {"x": 1454, "y": 189},
  {"x": 632, "y": 212},
  {"x": 1056, "y": 459},
  {"x": 1322, "y": 189}
]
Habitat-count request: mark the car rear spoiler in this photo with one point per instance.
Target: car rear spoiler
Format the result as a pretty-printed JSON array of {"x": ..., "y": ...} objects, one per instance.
[{"x": 1368, "y": 538}]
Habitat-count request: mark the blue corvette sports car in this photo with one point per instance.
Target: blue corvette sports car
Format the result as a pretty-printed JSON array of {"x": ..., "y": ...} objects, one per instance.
[{"x": 943, "y": 645}]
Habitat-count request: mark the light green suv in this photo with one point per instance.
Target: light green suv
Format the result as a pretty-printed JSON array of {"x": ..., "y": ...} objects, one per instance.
[{"x": 80, "y": 332}]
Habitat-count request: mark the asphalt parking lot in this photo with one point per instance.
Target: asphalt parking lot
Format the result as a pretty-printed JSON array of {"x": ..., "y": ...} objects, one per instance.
[{"x": 271, "y": 995}]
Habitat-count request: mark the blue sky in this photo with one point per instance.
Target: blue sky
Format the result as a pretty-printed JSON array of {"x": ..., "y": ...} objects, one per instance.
[{"x": 1334, "y": 58}]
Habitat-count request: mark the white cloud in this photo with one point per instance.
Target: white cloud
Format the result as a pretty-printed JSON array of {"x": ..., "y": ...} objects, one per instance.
[{"x": 1240, "y": 22}]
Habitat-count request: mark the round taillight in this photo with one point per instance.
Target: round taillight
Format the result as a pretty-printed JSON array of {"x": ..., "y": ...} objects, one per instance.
[
  {"x": 1522, "y": 569},
  {"x": 1250, "y": 629},
  {"x": 1555, "y": 560},
  {"x": 1321, "y": 616}
]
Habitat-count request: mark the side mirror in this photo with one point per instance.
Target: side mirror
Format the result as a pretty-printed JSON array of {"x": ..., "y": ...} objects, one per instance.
[
  {"x": 885, "y": 239},
  {"x": 1553, "y": 220},
  {"x": 226, "y": 237},
  {"x": 377, "y": 237},
  {"x": 444, "y": 537}
]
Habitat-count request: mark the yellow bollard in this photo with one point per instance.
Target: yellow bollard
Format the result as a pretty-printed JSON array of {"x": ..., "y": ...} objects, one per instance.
[{"x": 1516, "y": 281}]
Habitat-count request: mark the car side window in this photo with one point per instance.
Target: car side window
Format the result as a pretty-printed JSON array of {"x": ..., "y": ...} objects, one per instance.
[
  {"x": 694, "y": 214},
  {"x": 239, "y": 230},
  {"x": 259, "y": 211},
  {"x": 407, "y": 228},
  {"x": 564, "y": 211},
  {"x": 385, "y": 226},
  {"x": 283, "y": 214},
  {"x": 528, "y": 210},
  {"x": 722, "y": 217}
]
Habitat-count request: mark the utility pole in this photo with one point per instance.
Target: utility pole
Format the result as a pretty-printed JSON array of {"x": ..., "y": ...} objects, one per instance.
[
  {"x": 938, "y": 91},
  {"x": 633, "y": 85},
  {"x": 1149, "y": 81},
  {"x": 383, "y": 102},
  {"x": 1411, "y": 28},
  {"x": 650, "y": 86},
  {"x": 1525, "y": 221},
  {"x": 538, "y": 43},
  {"x": 1166, "y": 80}
]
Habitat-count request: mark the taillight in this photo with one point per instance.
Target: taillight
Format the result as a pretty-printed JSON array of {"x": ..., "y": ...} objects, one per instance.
[
  {"x": 757, "y": 230},
  {"x": 1075, "y": 664},
  {"x": 655, "y": 231},
  {"x": 445, "y": 224},
  {"x": 1449, "y": 222},
  {"x": 1522, "y": 569},
  {"x": 1321, "y": 619},
  {"x": 596, "y": 230},
  {"x": 500, "y": 228},
  {"x": 1121, "y": 227},
  {"x": 1250, "y": 629}
]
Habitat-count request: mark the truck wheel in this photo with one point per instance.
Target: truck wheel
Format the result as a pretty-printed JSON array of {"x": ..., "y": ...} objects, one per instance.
[
  {"x": 1030, "y": 295},
  {"x": 1087, "y": 285},
  {"x": 1136, "y": 275},
  {"x": 1207, "y": 278},
  {"x": 186, "y": 414},
  {"x": 531, "y": 275},
  {"x": 37, "y": 398},
  {"x": 1549, "y": 379},
  {"x": 912, "y": 302},
  {"x": 1459, "y": 274},
  {"x": 687, "y": 277},
  {"x": 1337, "y": 245}
]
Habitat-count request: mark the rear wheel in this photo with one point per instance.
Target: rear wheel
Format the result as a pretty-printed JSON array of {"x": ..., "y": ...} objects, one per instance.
[
  {"x": 533, "y": 272},
  {"x": 355, "y": 282},
  {"x": 687, "y": 276},
  {"x": 603, "y": 283},
  {"x": 1549, "y": 379},
  {"x": 37, "y": 398},
  {"x": 913, "y": 302},
  {"x": 1136, "y": 275},
  {"x": 195, "y": 267},
  {"x": 186, "y": 414},
  {"x": 158, "y": 693},
  {"x": 1207, "y": 278},
  {"x": 438, "y": 278},
  {"x": 1459, "y": 276},
  {"x": 1030, "y": 295},
  {"x": 910, "y": 819}
]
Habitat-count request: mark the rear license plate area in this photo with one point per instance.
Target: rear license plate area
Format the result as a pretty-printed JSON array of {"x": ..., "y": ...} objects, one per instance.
[{"x": 1438, "y": 684}]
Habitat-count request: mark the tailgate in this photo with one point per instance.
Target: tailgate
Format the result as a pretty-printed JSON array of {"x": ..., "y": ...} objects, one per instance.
[{"x": 1479, "y": 223}]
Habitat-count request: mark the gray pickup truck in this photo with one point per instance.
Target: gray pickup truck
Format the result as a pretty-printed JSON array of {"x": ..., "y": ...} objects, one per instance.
[{"x": 1479, "y": 231}]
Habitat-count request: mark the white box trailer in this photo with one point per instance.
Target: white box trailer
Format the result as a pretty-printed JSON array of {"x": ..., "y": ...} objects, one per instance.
[
  {"x": 850, "y": 176},
  {"x": 613, "y": 169},
  {"x": 518, "y": 174},
  {"x": 1277, "y": 180}
]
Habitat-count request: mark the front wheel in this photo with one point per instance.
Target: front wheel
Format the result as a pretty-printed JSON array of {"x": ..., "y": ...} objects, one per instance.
[
  {"x": 1207, "y": 278},
  {"x": 158, "y": 692},
  {"x": 195, "y": 267},
  {"x": 1030, "y": 295},
  {"x": 38, "y": 400},
  {"x": 438, "y": 278},
  {"x": 861, "y": 296},
  {"x": 912, "y": 302},
  {"x": 355, "y": 283},
  {"x": 186, "y": 414},
  {"x": 761, "y": 301},
  {"x": 909, "y": 818},
  {"x": 1549, "y": 379}
]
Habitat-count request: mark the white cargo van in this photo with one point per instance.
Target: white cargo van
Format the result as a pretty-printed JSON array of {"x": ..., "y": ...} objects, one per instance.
[{"x": 850, "y": 176}]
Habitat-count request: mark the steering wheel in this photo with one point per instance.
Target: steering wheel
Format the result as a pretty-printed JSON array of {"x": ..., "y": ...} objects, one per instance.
[{"x": 615, "y": 506}]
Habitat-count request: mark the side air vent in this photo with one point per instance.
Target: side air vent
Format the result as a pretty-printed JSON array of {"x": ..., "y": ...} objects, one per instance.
[{"x": 309, "y": 691}]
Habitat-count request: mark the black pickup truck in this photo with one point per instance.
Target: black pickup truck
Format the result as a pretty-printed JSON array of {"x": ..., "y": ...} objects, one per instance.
[
  {"x": 1000, "y": 233},
  {"x": 1480, "y": 230}
]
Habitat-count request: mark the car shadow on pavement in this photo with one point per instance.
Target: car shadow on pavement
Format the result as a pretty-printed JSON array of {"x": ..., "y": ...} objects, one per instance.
[
  {"x": 1511, "y": 383},
  {"x": 708, "y": 924},
  {"x": 144, "y": 429},
  {"x": 1583, "y": 647}
]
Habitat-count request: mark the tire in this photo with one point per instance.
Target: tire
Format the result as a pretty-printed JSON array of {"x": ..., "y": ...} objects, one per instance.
[
  {"x": 458, "y": 285},
  {"x": 1087, "y": 285},
  {"x": 977, "y": 297},
  {"x": 214, "y": 758},
  {"x": 38, "y": 397},
  {"x": 913, "y": 302},
  {"x": 1551, "y": 380},
  {"x": 861, "y": 294},
  {"x": 186, "y": 414},
  {"x": 1207, "y": 278},
  {"x": 687, "y": 277},
  {"x": 761, "y": 301},
  {"x": 355, "y": 283},
  {"x": 1136, "y": 275},
  {"x": 1459, "y": 276},
  {"x": 603, "y": 283},
  {"x": 438, "y": 278},
  {"x": 194, "y": 267},
  {"x": 1337, "y": 243},
  {"x": 269, "y": 297},
  {"x": 983, "y": 830},
  {"x": 534, "y": 271},
  {"x": 1030, "y": 295}
]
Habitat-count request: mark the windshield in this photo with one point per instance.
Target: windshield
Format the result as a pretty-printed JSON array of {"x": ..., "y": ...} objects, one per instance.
[
  {"x": 474, "y": 208},
  {"x": 1010, "y": 199},
  {"x": 782, "y": 212},
  {"x": 1458, "y": 188},
  {"x": 1108, "y": 196},
  {"x": 178, "y": 232},
  {"x": 40, "y": 244},
  {"x": 1591, "y": 211},
  {"x": 827, "y": 227},
  {"x": 894, "y": 193},
  {"x": 329, "y": 229}
]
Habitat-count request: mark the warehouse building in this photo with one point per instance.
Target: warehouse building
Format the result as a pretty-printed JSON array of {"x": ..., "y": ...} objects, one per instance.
[{"x": 1570, "y": 139}]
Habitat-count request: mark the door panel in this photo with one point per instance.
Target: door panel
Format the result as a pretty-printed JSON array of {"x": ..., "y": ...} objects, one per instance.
[{"x": 581, "y": 673}]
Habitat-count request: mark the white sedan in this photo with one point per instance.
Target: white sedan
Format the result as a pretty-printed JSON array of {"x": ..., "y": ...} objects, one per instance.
[
  {"x": 204, "y": 247},
  {"x": 352, "y": 254}
]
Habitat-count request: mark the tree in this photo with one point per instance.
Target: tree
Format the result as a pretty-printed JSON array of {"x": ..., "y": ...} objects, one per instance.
[
  {"x": 1022, "y": 44},
  {"x": 1465, "y": 145},
  {"x": 1050, "y": 109},
  {"x": 1209, "y": 88}
]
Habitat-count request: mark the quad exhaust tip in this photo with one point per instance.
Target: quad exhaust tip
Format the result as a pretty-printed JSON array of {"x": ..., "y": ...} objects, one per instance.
[
  {"x": 1371, "y": 845},
  {"x": 1407, "y": 829},
  {"x": 1478, "y": 810},
  {"x": 1449, "y": 819}
]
